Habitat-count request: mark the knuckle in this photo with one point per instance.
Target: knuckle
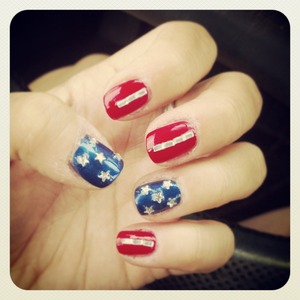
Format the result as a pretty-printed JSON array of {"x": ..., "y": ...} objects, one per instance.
[
  {"x": 225, "y": 184},
  {"x": 37, "y": 108},
  {"x": 251, "y": 88},
  {"x": 241, "y": 172},
  {"x": 241, "y": 99},
  {"x": 255, "y": 173},
  {"x": 246, "y": 88},
  {"x": 259, "y": 163},
  {"x": 195, "y": 38},
  {"x": 209, "y": 253},
  {"x": 196, "y": 260},
  {"x": 201, "y": 42}
]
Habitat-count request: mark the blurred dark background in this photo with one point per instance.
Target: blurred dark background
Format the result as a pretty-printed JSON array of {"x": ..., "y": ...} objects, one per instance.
[{"x": 254, "y": 42}]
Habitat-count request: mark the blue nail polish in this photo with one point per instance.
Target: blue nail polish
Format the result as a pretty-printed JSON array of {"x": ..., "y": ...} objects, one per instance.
[
  {"x": 96, "y": 163},
  {"x": 156, "y": 197}
]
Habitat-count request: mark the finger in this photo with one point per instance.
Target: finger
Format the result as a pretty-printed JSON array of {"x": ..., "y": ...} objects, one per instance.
[
  {"x": 59, "y": 144},
  {"x": 181, "y": 247},
  {"x": 180, "y": 55},
  {"x": 231, "y": 174},
  {"x": 60, "y": 75},
  {"x": 213, "y": 115}
]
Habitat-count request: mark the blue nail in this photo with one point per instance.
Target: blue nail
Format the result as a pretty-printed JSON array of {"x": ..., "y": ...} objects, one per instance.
[
  {"x": 96, "y": 163},
  {"x": 156, "y": 197}
]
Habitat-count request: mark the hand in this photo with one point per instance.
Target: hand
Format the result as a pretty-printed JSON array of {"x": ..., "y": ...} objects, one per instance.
[{"x": 64, "y": 229}]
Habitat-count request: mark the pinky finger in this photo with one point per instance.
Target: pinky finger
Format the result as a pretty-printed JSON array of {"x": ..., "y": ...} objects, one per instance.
[{"x": 179, "y": 247}]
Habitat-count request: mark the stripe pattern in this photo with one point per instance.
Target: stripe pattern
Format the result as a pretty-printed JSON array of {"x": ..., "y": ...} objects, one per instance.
[
  {"x": 135, "y": 96},
  {"x": 177, "y": 140}
]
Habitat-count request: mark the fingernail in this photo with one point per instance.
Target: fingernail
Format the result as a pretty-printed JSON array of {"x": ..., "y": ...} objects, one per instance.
[
  {"x": 156, "y": 197},
  {"x": 170, "y": 141},
  {"x": 125, "y": 98},
  {"x": 96, "y": 163},
  {"x": 136, "y": 242}
]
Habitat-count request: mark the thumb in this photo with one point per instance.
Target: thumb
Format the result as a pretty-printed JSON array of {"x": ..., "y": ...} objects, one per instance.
[{"x": 55, "y": 141}]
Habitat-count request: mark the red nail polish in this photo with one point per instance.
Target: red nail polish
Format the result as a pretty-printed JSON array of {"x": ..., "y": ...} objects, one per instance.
[
  {"x": 136, "y": 242},
  {"x": 125, "y": 98},
  {"x": 170, "y": 141}
]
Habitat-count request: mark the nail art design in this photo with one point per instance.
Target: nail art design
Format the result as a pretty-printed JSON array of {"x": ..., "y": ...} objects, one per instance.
[
  {"x": 125, "y": 98},
  {"x": 170, "y": 141},
  {"x": 156, "y": 197},
  {"x": 136, "y": 242},
  {"x": 96, "y": 163}
]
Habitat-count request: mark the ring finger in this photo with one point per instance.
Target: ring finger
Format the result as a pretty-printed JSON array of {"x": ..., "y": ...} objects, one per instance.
[{"x": 231, "y": 174}]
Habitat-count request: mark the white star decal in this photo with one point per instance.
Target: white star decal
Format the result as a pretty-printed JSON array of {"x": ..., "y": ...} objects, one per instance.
[
  {"x": 104, "y": 176},
  {"x": 93, "y": 142},
  {"x": 145, "y": 190},
  {"x": 158, "y": 197},
  {"x": 83, "y": 160},
  {"x": 167, "y": 184},
  {"x": 118, "y": 157},
  {"x": 100, "y": 157},
  {"x": 149, "y": 210},
  {"x": 172, "y": 202}
]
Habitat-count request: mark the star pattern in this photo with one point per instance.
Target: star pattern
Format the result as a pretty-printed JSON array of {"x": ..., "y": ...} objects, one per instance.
[
  {"x": 145, "y": 190},
  {"x": 100, "y": 157},
  {"x": 172, "y": 202},
  {"x": 105, "y": 176},
  {"x": 167, "y": 184},
  {"x": 158, "y": 197},
  {"x": 118, "y": 157},
  {"x": 149, "y": 210},
  {"x": 93, "y": 142},
  {"x": 95, "y": 162},
  {"x": 83, "y": 159}
]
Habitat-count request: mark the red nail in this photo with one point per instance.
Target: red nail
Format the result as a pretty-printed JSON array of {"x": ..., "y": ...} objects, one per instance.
[
  {"x": 125, "y": 98},
  {"x": 136, "y": 242},
  {"x": 170, "y": 141}
]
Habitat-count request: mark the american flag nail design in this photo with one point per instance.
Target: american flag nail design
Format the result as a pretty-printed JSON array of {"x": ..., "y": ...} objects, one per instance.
[
  {"x": 170, "y": 141},
  {"x": 96, "y": 163},
  {"x": 156, "y": 197},
  {"x": 125, "y": 98},
  {"x": 136, "y": 242}
]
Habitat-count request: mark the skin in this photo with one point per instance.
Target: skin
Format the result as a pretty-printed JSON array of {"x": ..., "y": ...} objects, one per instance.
[{"x": 63, "y": 231}]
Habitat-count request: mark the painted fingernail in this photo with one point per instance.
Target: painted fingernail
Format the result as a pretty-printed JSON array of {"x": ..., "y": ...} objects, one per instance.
[
  {"x": 125, "y": 98},
  {"x": 156, "y": 197},
  {"x": 170, "y": 141},
  {"x": 96, "y": 163},
  {"x": 136, "y": 242}
]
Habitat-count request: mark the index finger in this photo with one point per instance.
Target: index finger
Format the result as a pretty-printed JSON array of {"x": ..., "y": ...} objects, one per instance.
[
  {"x": 180, "y": 55},
  {"x": 147, "y": 74}
]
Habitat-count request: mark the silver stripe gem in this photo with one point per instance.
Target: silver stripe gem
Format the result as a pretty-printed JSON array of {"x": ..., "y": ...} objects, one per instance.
[
  {"x": 140, "y": 93},
  {"x": 140, "y": 242},
  {"x": 179, "y": 139}
]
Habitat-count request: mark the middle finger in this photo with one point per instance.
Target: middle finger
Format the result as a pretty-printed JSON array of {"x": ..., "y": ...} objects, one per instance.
[{"x": 213, "y": 115}]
